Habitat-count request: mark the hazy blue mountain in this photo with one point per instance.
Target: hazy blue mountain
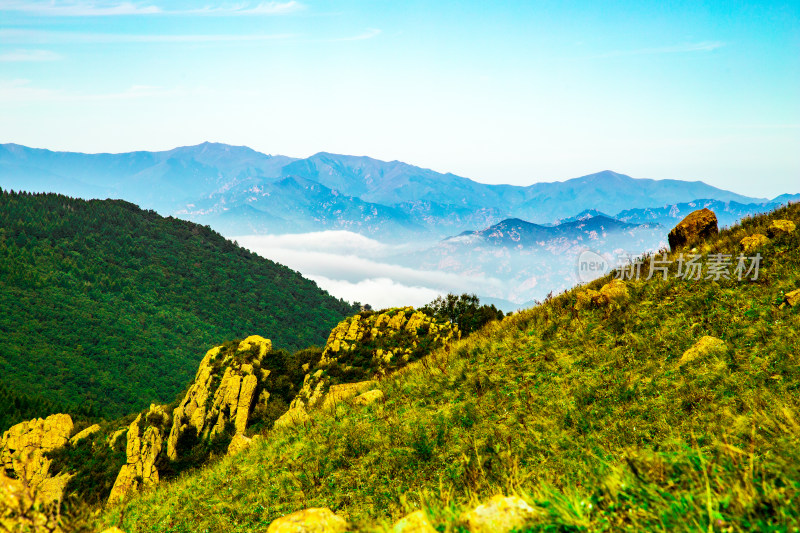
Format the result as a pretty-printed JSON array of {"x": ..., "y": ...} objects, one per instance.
[
  {"x": 240, "y": 190},
  {"x": 727, "y": 213}
]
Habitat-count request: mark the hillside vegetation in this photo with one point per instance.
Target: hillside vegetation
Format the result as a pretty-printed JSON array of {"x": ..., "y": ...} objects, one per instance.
[
  {"x": 592, "y": 413},
  {"x": 106, "y": 306}
]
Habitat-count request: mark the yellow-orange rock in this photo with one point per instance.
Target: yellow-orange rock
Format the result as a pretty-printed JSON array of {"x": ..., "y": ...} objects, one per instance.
[
  {"x": 91, "y": 430},
  {"x": 501, "y": 514},
  {"x": 780, "y": 227},
  {"x": 696, "y": 227},
  {"x": 23, "y": 448},
  {"x": 791, "y": 298},
  {"x": 706, "y": 345},
  {"x": 415, "y": 522},
  {"x": 369, "y": 397},
  {"x": 345, "y": 391},
  {"x": 314, "y": 520},
  {"x": 753, "y": 242},
  {"x": 143, "y": 448}
]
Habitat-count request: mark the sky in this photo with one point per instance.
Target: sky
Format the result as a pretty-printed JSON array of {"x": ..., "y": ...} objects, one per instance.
[{"x": 501, "y": 92}]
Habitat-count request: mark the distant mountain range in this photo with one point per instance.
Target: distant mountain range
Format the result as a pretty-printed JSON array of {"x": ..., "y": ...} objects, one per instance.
[{"x": 238, "y": 190}]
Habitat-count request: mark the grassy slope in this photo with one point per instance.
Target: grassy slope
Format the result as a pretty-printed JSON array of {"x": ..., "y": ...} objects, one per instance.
[
  {"x": 104, "y": 302},
  {"x": 587, "y": 415}
]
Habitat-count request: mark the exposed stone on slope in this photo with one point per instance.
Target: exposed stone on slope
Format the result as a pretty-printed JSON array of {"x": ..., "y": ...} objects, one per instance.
[
  {"x": 780, "y": 227},
  {"x": 314, "y": 520},
  {"x": 415, "y": 522},
  {"x": 22, "y": 452},
  {"x": 91, "y": 430},
  {"x": 144, "y": 445},
  {"x": 613, "y": 293},
  {"x": 753, "y": 242},
  {"x": 791, "y": 298},
  {"x": 345, "y": 391},
  {"x": 705, "y": 346},
  {"x": 369, "y": 397},
  {"x": 240, "y": 443},
  {"x": 500, "y": 514},
  {"x": 213, "y": 401},
  {"x": 697, "y": 226}
]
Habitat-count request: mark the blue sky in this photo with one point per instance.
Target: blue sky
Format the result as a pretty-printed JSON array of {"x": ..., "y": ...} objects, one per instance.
[{"x": 512, "y": 93}]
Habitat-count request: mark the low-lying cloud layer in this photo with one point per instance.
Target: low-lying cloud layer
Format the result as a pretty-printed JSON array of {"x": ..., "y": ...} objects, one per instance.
[{"x": 354, "y": 267}]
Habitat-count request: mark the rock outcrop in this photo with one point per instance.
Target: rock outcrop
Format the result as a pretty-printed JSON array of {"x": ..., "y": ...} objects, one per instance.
[
  {"x": 366, "y": 346},
  {"x": 22, "y": 453},
  {"x": 222, "y": 393},
  {"x": 791, "y": 298},
  {"x": 696, "y": 227},
  {"x": 240, "y": 443},
  {"x": 369, "y": 397},
  {"x": 753, "y": 242},
  {"x": 145, "y": 440},
  {"x": 314, "y": 520},
  {"x": 501, "y": 514}
]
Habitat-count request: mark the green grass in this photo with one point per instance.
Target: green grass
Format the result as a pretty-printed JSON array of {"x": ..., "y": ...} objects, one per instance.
[{"x": 586, "y": 414}]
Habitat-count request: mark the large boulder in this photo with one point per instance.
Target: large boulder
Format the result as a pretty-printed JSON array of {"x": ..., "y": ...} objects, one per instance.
[
  {"x": 501, "y": 514},
  {"x": 696, "y": 227},
  {"x": 791, "y": 298},
  {"x": 314, "y": 520},
  {"x": 91, "y": 430}
]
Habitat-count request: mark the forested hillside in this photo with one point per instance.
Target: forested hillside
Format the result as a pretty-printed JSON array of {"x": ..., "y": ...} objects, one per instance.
[{"x": 106, "y": 304}]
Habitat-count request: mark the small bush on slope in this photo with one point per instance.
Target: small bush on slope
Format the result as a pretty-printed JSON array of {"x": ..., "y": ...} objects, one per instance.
[{"x": 587, "y": 414}]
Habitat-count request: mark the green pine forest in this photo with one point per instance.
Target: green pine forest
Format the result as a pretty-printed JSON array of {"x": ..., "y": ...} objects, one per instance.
[{"x": 105, "y": 306}]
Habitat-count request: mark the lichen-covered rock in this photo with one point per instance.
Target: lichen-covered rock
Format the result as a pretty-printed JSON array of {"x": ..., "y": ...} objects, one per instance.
[
  {"x": 500, "y": 514},
  {"x": 91, "y": 430},
  {"x": 114, "y": 437},
  {"x": 314, "y": 520},
  {"x": 415, "y": 522},
  {"x": 613, "y": 293},
  {"x": 240, "y": 443},
  {"x": 223, "y": 392},
  {"x": 22, "y": 509},
  {"x": 705, "y": 346},
  {"x": 780, "y": 227},
  {"x": 753, "y": 242},
  {"x": 696, "y": 227},
  {"x": 791, "y": 298},
  {"x": 369, "y": 397},
  {"x": 294, "y": 416},
  {"x": 23, "y": 448},
  {"x": 345, "y": 391},
  {"x": 144, "y": 445}
]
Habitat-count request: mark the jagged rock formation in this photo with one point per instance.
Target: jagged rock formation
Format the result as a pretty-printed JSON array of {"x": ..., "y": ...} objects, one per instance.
[
  {"x": 367, "y": 345},
  {"x": 22, "y": 453},
  {"x": 791, "y": 298},
  {"x": 213, "y": 401},
  {"x": 144, "y": 445},
  {"x": 697, "y": 226}
]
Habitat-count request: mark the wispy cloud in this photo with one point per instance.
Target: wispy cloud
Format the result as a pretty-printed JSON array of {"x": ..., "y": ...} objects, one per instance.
[
  {"x": 29, "y": 55},
  {"x": 704, "y": 46},
  {"x": 105, "y": 9},
  {"x": 65, "y": 37}
]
